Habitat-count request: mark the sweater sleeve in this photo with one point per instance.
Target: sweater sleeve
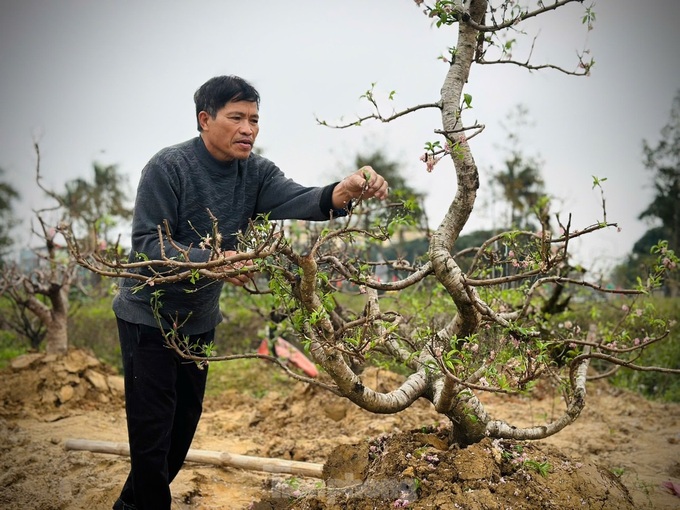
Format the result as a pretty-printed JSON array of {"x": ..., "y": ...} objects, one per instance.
[{"x": 282, "y": 198}]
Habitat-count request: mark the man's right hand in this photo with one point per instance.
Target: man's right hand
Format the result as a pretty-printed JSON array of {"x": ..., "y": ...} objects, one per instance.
[{"x": 238, "y": 280}]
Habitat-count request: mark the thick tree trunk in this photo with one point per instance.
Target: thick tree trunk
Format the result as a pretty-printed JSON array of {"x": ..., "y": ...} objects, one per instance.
[
  {"x": 56, "y": 339},
  {"x": 57, "y": 331},
  {"x": 467, "y": 319},
  {"x": 55, "y": 318}
]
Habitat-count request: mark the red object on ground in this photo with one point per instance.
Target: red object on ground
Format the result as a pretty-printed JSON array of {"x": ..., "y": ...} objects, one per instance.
[
  {"x": 671, "y": 487},
  {"x": 264, "y": 348},
  {"x": 287, "y": 351}
]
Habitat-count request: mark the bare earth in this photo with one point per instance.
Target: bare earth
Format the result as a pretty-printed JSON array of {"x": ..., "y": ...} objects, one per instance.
[{"x": 618, "y": 455}]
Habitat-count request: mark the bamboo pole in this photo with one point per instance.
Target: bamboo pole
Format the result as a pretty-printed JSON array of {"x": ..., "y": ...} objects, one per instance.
[{"x": 224, "y": 459}]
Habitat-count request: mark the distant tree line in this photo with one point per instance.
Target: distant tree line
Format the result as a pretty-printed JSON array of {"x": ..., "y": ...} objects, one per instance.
[{"x": 662, "y": 160}]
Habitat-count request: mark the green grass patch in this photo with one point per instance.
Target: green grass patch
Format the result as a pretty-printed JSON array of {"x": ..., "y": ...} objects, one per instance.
[
  {"x": 93, "y": 327},
  {"x": 666, "y": 353},
  {"x": 10, "y": 347},
  {"x": 254, "y": 377}
]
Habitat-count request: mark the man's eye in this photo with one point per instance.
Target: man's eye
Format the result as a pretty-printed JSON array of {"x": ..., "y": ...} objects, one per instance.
[{"x": 254, "y": 121}]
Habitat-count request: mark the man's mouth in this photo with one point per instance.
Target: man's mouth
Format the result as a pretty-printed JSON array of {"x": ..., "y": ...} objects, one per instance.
[{"x": 245, "y": 144}]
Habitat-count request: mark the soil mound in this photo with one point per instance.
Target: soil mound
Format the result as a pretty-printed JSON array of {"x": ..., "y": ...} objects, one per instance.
[
  {"x": 48, "y": 383},
  {"x": 420, "y": 470},
  {"x": 370, "y": 461}
]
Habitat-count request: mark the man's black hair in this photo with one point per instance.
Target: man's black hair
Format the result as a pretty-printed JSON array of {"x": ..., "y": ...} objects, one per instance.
[{"x": 218, "y": 91}]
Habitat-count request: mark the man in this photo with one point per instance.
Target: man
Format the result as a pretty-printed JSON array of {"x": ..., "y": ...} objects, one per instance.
[{"x": 215, "y": 172}]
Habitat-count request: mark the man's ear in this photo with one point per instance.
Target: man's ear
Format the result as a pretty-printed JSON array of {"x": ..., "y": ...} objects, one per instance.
[{"x": 203, "y": 118}]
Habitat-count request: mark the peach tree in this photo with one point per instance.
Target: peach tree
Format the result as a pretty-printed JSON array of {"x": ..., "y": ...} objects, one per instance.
[{"x": 457, "y": 323}]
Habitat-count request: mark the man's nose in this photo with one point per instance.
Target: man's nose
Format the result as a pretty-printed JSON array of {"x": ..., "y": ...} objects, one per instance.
[{"x": 245, "y": 127}]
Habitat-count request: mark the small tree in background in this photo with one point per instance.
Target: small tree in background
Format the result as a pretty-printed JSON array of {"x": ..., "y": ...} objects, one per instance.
[{"x": 41, "y": 292}]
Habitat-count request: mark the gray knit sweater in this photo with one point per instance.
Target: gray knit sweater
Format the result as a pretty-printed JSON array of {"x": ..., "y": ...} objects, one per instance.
[{"x": 180, "y": 184}]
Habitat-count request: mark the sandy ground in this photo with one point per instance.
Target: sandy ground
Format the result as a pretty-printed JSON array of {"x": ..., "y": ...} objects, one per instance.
[{"x": 47, "y": 400}]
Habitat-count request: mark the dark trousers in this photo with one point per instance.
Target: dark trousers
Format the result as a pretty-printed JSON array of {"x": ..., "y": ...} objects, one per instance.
[{"x": 163, "y": 403}]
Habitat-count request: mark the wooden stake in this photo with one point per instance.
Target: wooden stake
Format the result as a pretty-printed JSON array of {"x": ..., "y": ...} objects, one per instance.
[{"x": 223, "y": 459}]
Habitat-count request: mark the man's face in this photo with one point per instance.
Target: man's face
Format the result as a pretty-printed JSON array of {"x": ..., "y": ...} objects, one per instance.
[{"x": 231, "y": 134}]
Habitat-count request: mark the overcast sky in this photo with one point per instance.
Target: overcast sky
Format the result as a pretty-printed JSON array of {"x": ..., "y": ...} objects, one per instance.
[{"x": 112, "y": 81}]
